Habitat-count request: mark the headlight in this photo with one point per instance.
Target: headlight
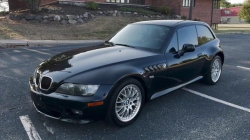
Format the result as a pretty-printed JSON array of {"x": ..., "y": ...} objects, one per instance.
[
  {"x": 76, "y": 89},
  {"x": 35, "y": 77}
]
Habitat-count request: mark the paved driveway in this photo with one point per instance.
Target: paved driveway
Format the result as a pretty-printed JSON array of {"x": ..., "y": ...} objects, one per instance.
[{"x": 203, "y": 112}]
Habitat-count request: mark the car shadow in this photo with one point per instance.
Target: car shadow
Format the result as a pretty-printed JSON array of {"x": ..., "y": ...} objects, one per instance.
[{"x": 171, "y": 116}]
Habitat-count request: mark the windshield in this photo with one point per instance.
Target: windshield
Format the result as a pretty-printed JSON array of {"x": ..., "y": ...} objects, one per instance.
[{"x": 141, "y": 36}]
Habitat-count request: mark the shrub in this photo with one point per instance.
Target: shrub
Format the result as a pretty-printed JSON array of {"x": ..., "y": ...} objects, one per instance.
[
  {"x": 196, "y": 19},
  {"x": 4, "y": 13},
  {"x": 165, "y": 10},
  {"x": 184, "y": 17},
  {"x": 245, "y": 11},
  {"x": 92, "y": 5},
  {"x": 162, "y": 9},
  {"x": 137, "y": 9},
  {"x": 33, "y": 5}
]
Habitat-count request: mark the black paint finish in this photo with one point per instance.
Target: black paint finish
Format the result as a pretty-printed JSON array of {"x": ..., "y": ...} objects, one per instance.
[{"x": 106, "y": 65}]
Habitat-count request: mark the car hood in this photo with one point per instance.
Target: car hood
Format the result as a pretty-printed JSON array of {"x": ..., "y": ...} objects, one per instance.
[{"x": 80, "y": 60}]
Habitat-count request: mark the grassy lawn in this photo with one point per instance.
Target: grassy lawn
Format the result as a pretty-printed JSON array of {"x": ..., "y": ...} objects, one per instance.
[
  {"x": 99, "y": 28},
  {"x": 233, "y": 28}
]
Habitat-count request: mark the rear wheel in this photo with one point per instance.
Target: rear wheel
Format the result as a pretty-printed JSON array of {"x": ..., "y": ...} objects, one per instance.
[
  {"x": 214, "y": 71},
  {"x": 126, "y": 103}
]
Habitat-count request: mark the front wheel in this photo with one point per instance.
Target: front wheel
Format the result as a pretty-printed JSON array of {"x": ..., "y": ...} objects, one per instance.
[
  {"x": 126, "y": 103},
  {"x": 214, "y": 72}
]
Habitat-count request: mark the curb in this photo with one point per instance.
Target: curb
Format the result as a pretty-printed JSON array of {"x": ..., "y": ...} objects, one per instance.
[
  {"x": 45, "y": 42},
  {"x": 13, "y": 42}
]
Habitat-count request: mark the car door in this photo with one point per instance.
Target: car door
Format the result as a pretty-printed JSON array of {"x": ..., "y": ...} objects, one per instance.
[{"x": 183, "y": 68}]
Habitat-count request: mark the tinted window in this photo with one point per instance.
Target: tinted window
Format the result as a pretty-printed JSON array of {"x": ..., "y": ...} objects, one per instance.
[
  {"x": 187, "y": 35},
  {"x": 142, "y": 36},
  {"x": 173, "y": 46},
  {"x": 204, "y": 34}
]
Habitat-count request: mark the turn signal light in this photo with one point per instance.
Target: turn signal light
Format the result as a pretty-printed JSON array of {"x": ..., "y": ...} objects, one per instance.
[{"x": 95, "y": 104}]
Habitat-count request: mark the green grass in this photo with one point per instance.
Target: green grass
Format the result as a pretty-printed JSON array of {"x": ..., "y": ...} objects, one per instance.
[{"x": 138, "y": 10}]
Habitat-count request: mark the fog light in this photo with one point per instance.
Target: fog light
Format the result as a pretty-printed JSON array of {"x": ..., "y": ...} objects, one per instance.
[{"x": 76, "y": 112}]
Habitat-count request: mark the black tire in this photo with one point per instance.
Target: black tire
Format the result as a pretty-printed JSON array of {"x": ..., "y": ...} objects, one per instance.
[
  {"x": 208, "y": 77},
  {"x": 111, "y": 116}
]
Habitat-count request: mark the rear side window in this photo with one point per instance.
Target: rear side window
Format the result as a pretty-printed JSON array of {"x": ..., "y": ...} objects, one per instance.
[
  {"x": 187, "y": 35},
  {"x": 204, "y": 34}
]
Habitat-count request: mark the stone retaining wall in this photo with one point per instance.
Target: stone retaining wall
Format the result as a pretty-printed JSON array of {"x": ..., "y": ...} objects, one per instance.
[{"x": 81, "y": 18}]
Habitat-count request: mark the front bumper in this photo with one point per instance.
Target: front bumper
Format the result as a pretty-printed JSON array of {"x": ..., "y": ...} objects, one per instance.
[{"x": 60, "y": 106}]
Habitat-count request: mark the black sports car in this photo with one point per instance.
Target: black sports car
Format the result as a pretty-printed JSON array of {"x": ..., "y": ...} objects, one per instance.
[{"x": 141, "y": 62}]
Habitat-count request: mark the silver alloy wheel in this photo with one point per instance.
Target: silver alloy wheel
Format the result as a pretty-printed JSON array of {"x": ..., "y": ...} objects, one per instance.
[
  {"x": 216, "y": 70},
  {"x": 128, "y": 103}
]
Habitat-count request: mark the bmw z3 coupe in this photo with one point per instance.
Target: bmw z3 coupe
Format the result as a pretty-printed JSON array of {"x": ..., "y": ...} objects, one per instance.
[{"x": 113, "y": 80}]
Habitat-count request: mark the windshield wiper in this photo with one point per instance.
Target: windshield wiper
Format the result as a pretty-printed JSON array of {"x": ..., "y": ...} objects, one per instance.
[
  {"x": 113, "y": 44},
  {"x": 125, "y": 45}
]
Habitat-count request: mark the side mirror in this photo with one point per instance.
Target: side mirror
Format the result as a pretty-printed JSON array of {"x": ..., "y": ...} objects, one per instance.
[
  {"x": 188, "y": 48},
  {"x": 106, "y": 42}
]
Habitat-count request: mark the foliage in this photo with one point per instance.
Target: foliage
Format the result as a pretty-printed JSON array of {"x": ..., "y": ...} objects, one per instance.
[
  {"x": 245, "y": 11},
  {"x": 92, "y": 5},
  {"x": 196, "y": 19},
  {"x": 184, "y": 17},
  {"x": 33, "y": 5},
  {"x": 235, "y": 5},
  {"x": 138, "y": 10},
  {"x": 3, "y": 13},
  {"x": 225, "y": 3},
  {"x": 162, "y": 9},
  {"x": 165, "y": 10}
]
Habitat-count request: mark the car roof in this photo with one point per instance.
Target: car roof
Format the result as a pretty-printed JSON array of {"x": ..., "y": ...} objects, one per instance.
[{"x": 171, "y": 23}]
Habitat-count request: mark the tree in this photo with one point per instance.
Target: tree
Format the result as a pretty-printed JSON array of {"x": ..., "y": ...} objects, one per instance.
[
  {"x": 235, "y": 5},
  {"x": 225, "y": 3},
  {"x": 245, "y": 11},
  {"x": 33, "y": 5}
]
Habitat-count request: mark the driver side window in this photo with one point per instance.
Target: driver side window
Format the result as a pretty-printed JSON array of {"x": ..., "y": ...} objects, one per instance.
[
  {"x": 187, "y": 35},
  {"x": 173, "y": 46}
]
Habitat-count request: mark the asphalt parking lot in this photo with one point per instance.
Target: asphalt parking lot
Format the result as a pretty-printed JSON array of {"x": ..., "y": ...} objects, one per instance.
[{"x": 196, "y": 112}]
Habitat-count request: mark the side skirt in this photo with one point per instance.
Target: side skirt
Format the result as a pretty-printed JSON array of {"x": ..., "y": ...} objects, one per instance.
[{"x": 163, "y": 92}]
